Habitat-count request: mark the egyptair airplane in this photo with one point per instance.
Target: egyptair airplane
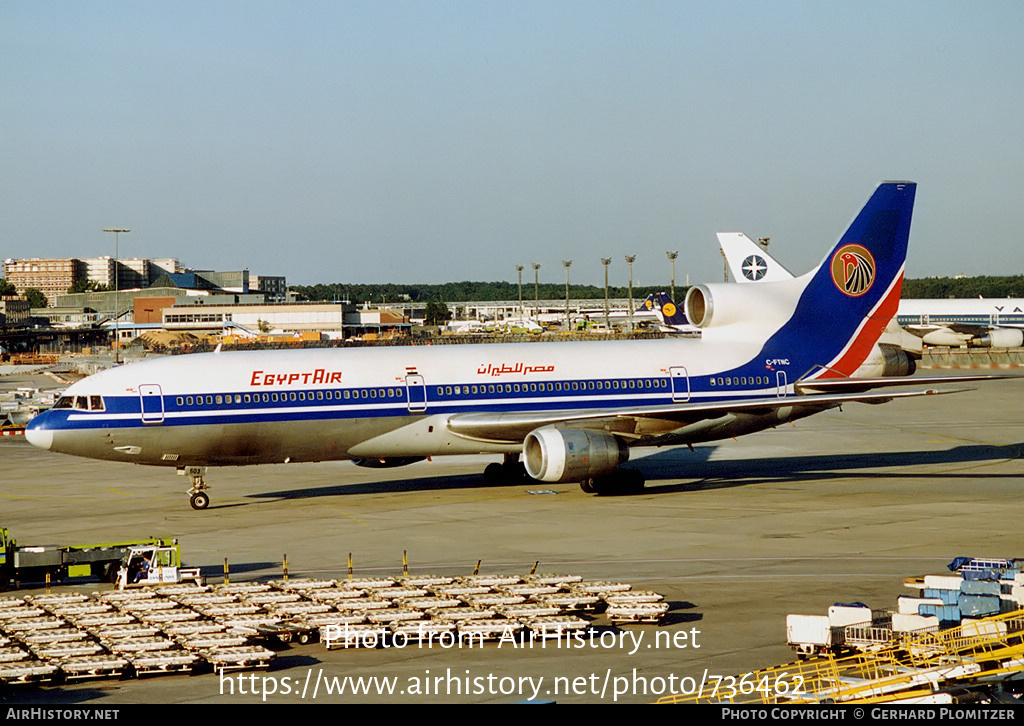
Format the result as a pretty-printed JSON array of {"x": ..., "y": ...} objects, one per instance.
[
  {"x": 572, "y": 410},
  {"x": 975, "y": 322}
]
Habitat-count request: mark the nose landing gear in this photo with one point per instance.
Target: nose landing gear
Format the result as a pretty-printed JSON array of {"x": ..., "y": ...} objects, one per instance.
[{"x": 199, "y": 499}]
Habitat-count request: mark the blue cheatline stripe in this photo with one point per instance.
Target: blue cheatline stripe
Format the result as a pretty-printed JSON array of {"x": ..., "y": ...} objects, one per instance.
[{"x": 125, "y": 412}]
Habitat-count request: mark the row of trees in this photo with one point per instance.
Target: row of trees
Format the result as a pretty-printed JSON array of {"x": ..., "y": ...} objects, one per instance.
[
  {"x": 458, "y": 292},
  {"x": 35, "y": 297},
  {"x": 949, "y": 287},
  {"x": 928, "y": 288}
]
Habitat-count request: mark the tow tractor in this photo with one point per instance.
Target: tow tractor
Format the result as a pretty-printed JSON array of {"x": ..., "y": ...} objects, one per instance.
[
  {"x": 149, "y": 565},
  {"x": 33, "y": 563}
]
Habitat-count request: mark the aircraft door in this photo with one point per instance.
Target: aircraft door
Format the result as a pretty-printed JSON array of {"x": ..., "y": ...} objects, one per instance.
[
  {"x": 680, "y": 384},
  {"x": 780, "y": 381},
  {"x": 152, "y": 403},
  {"x": 416, "y": 394}
]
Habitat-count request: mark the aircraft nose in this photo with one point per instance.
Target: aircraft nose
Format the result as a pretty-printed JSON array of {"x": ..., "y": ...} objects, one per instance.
[{"x": 37, "y": 435}]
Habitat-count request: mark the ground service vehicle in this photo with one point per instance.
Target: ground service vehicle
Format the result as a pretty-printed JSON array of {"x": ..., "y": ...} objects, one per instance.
[
  {"x": 158, "y": 564},
  {"x": 32, "y": 563}
]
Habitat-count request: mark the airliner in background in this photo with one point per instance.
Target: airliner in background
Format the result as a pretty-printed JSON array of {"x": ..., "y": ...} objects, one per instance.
[
  {"x": 671, "y": 319},
  {"x": 768, "y": 353},
  {"x": 975, "y": 322}
]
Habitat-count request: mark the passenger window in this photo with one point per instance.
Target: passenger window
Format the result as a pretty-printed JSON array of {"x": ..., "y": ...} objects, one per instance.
[
  {"x": 238, "y": 398},
  {"x": 219, "y": 400},
  {"x": 179, "y": 400},
  {"x": 188, "y": 400}
]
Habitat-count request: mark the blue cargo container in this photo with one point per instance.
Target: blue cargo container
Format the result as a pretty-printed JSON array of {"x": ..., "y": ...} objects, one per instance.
[
  {"x": 979, "y": 587},
  {"x": 948, "y": 597},
  {"x": 948, "y": 615},
  {"x": 978, "y": 606}
]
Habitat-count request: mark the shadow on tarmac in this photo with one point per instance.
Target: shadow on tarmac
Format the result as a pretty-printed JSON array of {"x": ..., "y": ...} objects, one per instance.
[{"x": 671, "y": 465}]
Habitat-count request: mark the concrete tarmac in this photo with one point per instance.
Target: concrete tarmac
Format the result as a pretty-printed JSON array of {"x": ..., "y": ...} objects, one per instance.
[{"x": 840, "y": 507}]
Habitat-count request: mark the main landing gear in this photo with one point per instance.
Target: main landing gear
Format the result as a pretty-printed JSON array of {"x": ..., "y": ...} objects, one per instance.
[
  {"x": 620, "y": 481},
  {"x": 510, "y": 471},
  {"x": 199, "y": 499}
]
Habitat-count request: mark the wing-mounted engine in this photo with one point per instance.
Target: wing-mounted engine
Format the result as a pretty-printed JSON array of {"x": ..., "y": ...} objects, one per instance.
[
  {"x": 886, "y": 360},
  {"x": 1000, "y": 338},
  {"x": 566, "y": 455}
]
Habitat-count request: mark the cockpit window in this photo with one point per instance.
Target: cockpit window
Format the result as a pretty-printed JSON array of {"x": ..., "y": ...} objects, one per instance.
[{"x": 81, "y": 403}]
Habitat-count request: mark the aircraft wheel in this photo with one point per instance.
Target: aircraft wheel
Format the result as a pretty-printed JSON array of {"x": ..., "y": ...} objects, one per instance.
[
  {"x": 627, "y": 481},
  {"x": 587, "y": 485},
  {"x": 200, "y": 500},
  {"x": 494, "y": 474},
  {"x": 634, "y": 481}
]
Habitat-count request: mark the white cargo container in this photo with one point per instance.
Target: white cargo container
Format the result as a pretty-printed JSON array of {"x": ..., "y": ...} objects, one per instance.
[
  {"x": 914, "y": 623},
  {"x": 911, "y": 605},
  {"x": 809, "y": 634},
  {"x": 943, "y": 582},
  {"x": 839, "y": 616}
]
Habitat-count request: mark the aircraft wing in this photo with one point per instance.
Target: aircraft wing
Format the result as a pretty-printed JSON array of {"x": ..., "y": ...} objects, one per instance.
[{"x": 641, "y": 421}]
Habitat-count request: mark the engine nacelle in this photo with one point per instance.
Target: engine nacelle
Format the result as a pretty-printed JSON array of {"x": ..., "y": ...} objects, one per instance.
[
  {"x": 388, "y": 462},
  {"x": 1000, "y": 338},
  {"x": 886, "y": 360},
  {"x": 722, "y": 304},
  {"x": 561, "y": 455},
  {"x": 944, "y": 337}
]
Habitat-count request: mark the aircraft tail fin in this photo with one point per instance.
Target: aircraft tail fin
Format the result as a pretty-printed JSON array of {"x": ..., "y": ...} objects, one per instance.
[
  {"x": 848, "y": 300},
  {"x": 666, "y": 310},
  {"x": 748, "y": 261}
]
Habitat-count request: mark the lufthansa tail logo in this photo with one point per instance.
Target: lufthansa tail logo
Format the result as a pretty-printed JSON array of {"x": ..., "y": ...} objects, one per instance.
[{"x": 853, "y": 270}]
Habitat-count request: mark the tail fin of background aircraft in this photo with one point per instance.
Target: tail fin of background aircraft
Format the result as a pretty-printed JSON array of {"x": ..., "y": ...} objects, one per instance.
[
  {"x": 849, "y": 299},
  {"x": 667, "y": 311},
  {"x": 748, "y": 261}
]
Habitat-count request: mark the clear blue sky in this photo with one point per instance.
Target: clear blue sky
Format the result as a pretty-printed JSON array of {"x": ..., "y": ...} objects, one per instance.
[{"x": 431, "y": 141}]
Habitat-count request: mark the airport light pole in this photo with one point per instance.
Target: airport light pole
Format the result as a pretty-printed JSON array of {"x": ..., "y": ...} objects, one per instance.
[
  {"x": 519, "y": 269},
  {"x": 568, "y": 319},
  {"x": 607, "y": 324},
  {"x": 536, "y": 287},
  {"x": 117, "y": 294},
  {"x": 630, "y": 259},
  {"x": 672, "y": 255}
]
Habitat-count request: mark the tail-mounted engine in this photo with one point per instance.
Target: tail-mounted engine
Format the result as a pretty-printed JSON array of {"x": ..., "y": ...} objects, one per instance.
[{"x": 722, "y": 304}]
